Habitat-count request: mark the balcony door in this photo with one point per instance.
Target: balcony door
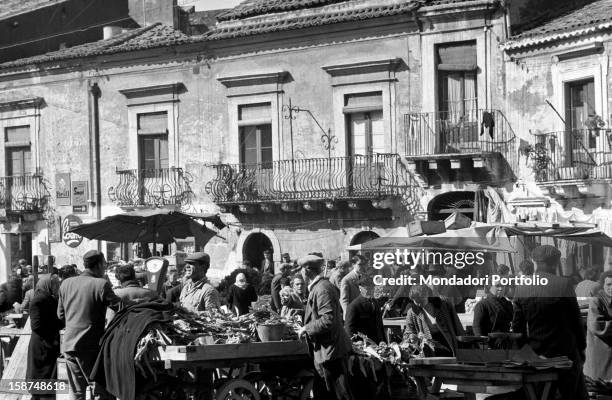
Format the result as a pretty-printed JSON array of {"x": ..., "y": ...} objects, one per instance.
[
  {"x": 366, "y": 139},
  {"x": 153, "y": 178},
  {"x": 457, "y": 96},
  {"x": 256, "y": 152},
  {"x": 579, "y": 143},
  {"x": 18, "y": 157}
]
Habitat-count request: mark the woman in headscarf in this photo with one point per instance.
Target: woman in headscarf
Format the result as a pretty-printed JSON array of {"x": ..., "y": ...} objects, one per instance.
[{"x": 45, "y": 340}]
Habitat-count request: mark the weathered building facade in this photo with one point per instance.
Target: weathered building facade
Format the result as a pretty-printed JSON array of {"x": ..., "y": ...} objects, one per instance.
[{"x": 310, "y": 125}]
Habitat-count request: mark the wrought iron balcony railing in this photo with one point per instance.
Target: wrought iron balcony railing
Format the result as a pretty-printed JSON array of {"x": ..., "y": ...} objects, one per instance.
[
  {"x": 571, "y": 155},
  {"x": 23, "y": 193},
  {"x": 471, "y": 132},
  {"x": 336, "y": 178},
  {"x": 152, "y": 187}
]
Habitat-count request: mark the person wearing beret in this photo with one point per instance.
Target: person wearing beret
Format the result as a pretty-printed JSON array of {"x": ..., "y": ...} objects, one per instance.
[
  {"x": 198, "y": 294},
  {"x": 324, "y": 330},
  {"x": 82, "y": 305},
  {"x": 549, "y": 319}
]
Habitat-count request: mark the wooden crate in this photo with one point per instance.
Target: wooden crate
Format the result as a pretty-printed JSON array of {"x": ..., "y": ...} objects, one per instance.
[
  {"x": 417, "y": 228},
  {"x": 213, "y": 352}
]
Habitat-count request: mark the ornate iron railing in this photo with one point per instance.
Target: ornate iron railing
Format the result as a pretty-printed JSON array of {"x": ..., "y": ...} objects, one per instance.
[
  {"x": 23, "y": 193},
  {"x": 570, "y": 155},
  {"x": 349, "y": 178},
  {"x": 475, "y": 131},
  {"x": 152, "y": 187}
]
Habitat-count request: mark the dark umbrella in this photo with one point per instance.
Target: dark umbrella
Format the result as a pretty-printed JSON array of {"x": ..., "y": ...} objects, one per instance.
[{"x": 150, "y": 226}]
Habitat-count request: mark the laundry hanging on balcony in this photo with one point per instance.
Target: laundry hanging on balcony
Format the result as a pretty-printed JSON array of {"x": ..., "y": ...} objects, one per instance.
[{"x": 488, "y": 123}]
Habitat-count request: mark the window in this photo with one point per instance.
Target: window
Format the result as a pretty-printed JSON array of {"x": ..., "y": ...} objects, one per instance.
[
  {"x": 579, "y": 106},
  {"x": 255, "y": 131},
  {"x": 457, "y": 90},
  {"x": 365, "y": 123},
  {"x": 153, "y": 141},
  {"x": 17, "y": 150}
]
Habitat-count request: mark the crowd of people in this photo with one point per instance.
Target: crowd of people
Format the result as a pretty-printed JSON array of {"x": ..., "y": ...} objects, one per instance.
[{"x": 335, "y": 301}]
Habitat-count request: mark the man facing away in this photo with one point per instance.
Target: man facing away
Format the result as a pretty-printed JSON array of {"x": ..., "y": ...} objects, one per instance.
[
  {"x": 82, "y": 304},
  {"x": 325, "y": 333},
  {"x": 549, "y": 318},
  {"x": 349, "y": 285}
]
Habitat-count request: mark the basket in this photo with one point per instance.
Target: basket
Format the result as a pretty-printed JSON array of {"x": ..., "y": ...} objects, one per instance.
[{"x": 271, "y": 333}]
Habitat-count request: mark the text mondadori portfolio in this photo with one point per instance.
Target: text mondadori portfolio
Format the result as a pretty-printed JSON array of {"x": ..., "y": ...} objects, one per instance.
[{"x": 468, "y": 280}]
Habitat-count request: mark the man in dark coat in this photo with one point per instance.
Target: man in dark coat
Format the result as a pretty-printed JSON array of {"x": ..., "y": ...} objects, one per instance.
[
  {"x": 44, "y": 347},
  {"x": 364, "y": 314},
  {"x": 83, "y": 301},
  {"x": 549, "y": 317},
  {"x": 325, "y": 333},
  {"x": 493, "y": 313}
]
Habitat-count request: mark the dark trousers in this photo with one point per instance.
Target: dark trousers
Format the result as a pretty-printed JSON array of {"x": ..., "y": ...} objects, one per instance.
[
  {"x": 331, "y": 381},
  {"x": 77, "y": 365},
  {"x": 571, "y": 384}
]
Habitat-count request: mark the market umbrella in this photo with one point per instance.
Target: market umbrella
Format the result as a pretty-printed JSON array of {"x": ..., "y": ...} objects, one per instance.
[
  {"x": 151, "y": 226},
  {"x": 582, "y": 233},
  {"x": 486, "y": 238}
]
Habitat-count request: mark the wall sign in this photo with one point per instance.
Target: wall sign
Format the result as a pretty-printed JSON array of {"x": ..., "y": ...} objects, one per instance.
[
  {"x": 62, "y": 189},
  {"x": 54, "y": 226},
  {"x": 79, "y": 197},
  {"x": 71, "y": 239}
]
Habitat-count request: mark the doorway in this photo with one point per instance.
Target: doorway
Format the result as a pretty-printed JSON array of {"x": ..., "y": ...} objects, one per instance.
[
  {"x": 21, "y": 247},
  {"x": 360, "y": 238},
  {"x": 253, "y": 249},
  {"x": 442, "y": 206}
]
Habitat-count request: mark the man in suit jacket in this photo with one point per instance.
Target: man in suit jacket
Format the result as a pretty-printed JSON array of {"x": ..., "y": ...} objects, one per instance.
[
  {"x": 349, "y": 285},
  {"x": 325, "y": 333},
  {"x": 549, "y": 317},
  {"x": 82, "y": 305}
]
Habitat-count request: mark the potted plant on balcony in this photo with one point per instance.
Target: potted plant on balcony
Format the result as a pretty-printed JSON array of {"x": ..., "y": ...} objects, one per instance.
[{"x": 540, "y": 160}]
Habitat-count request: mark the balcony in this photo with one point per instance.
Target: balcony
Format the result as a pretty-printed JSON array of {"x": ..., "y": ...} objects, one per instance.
[
  {"x": 477, "y": 146},
  {"x": 311, "y": 181},
  {"x": 166, "y": 187},
  {"x": 571, "y": 158},
  {"x": 23, "y": 194}
]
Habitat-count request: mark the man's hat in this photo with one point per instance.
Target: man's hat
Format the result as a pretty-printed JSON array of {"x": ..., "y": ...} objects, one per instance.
[
  {"x": 199, "y": 257},
  {"x": 310, "y": 259},
  {"x": 92, "y": 256},
  {"x": 546, "y": 254}
]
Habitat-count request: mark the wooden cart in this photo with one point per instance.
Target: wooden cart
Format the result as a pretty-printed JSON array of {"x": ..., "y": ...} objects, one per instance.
[{"x": 256, "y": 371}]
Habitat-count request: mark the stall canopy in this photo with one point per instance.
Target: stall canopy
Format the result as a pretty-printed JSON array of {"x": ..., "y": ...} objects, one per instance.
[
  {"x": 489, "y": 238},
  {"x": 486, "y": 238},
  {"x": 583, "y": 233},
  {"x": 151, "y": 226}
]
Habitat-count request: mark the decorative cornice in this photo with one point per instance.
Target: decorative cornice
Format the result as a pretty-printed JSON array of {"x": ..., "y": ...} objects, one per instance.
[
  {"x": 363, "y": 67},
  {"x": 34, "y": 102},
  {"x": 276, "y": 78},
  {"x": 158, "y": 90}
]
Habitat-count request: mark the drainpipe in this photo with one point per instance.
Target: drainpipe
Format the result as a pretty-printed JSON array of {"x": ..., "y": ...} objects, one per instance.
[{"x": 94, "y": 146}]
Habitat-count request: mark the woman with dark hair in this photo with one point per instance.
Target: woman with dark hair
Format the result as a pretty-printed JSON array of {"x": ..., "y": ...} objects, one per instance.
[
  {"x": 432, "y": 320},
  {"x": 598, "y": 363},
  {"x": 44, "y": 345}
]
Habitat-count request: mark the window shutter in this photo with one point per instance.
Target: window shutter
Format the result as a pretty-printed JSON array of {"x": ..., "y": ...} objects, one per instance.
[
  {"x": 153, "y": 123},
  {"x": 457, "y": 57},
  {"x": 363, "y": 102}
]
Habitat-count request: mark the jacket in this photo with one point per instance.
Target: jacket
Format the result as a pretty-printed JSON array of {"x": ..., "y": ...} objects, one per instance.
[
  {"x": 349, "y": 289},
  {"x": 549, "y": 317},
  {"x": 199, "y": 296},
  {"x": 336, "y": 277},
  {"x": 44, "y": 347},
  {"x": 82, "y": 305},
  {"x": 365, "y": 316},
  {"x": 492, "y": 314},
  {"x": 598, "y": 362},
  {"x": 446, "y": 319},
  {"x": 323, "y": 323},
  {"x": 131, "y": 290}
]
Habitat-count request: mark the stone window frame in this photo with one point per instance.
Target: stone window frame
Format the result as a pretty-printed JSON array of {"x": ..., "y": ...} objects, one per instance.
[
  {"x": 26, "y": 112},
  {"x": 254, "y": 88},
  {"x": 153, "y": 99}
]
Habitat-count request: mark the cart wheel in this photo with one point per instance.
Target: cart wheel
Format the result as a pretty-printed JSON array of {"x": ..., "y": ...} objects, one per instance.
[{"x": 237, "y": 389}]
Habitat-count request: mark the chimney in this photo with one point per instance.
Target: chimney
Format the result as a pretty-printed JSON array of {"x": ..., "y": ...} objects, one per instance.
[
  {"x": 149, "y": 12},
  {"x": 110, "y": 31}
]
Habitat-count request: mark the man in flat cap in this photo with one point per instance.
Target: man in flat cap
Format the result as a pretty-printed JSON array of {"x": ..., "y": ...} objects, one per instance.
[
  {"x": 198, "y": 294},
  {"x": 82, "y": 304},
  {"x": 325, "y": 333},
  {"x": 549, "y": 318}
]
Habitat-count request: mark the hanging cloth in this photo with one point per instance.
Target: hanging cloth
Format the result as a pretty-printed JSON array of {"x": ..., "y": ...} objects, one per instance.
[{"x": 487, "y": 122}]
